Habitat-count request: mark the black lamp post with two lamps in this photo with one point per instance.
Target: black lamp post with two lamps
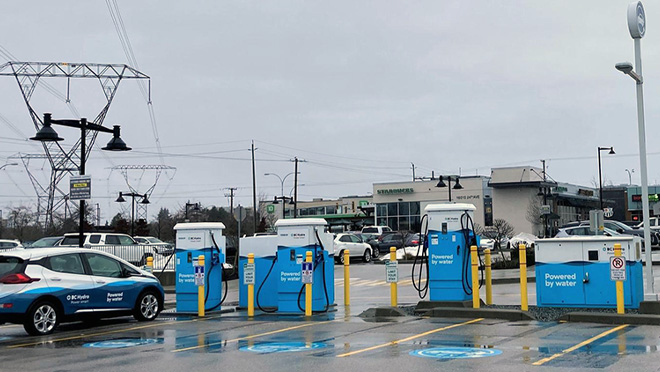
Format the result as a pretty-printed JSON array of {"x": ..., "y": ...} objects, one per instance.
[
  {"x": 457, "y": 185},
  {"x": 48, "y": 134},
  {"x": 133, "y": 195}
]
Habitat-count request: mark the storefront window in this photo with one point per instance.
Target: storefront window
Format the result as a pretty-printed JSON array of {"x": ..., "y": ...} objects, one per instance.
[
  {"x": 392, "y": 209},
  {"x": 403, "y": 209},
  {"x": 401, "y": 216}
]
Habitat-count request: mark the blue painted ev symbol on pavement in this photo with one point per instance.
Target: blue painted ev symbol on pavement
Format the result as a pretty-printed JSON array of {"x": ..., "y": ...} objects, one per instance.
[
  {"x": 282, "y": 347},
  {"x": 126, "y": 342},
  {"x": 455, "y": 352}
]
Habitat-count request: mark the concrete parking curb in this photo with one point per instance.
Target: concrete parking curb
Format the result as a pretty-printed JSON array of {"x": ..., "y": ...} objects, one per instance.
[
  {"x": 378, "y": 312},
  {"x": 610, "y": 318},
  {"x": 456, "y": 312}
]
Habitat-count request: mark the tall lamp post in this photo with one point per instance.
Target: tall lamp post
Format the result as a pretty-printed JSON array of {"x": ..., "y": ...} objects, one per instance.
[
  {"x": 600, "y": 172},
  {"x": 457, "y": 185},
  {"x": 283, "y": 197},
  {"x": 637, "y": 28},
  {"x": 48, "y": 134},
  {"x": 195, "y": 208},
  {"x": 630, "y": 171},
  {"x": 133, "y": 195}
]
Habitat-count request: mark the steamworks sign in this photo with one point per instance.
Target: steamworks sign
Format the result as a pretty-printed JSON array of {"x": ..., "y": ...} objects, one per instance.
[
  {"x": 406, "y": 190},
  {"x": 652, "y": 198}
]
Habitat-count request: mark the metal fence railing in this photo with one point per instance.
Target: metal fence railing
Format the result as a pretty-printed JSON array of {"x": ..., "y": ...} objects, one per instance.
[{"x": 137, "y": 255}]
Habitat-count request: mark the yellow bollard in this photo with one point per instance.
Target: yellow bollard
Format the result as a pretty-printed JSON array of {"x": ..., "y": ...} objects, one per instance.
[
  {"x": 200, "y": 290},
  {"x": 150, "y": 264},
  {"x": 619, "y": 284},
  {"x": 522, "y": 257},
  {"x": 250, "y": 289},
  {"x": 347, "y": 279},
  {"x": 308, "y": 290},
  {"x": 475, "y": 277},
  {"x": 393, "y": 286},
  {"x": 489, "y": 278}
]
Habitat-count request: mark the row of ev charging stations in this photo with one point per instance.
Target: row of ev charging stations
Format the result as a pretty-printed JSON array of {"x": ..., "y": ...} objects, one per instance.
[
  {"x": 193, "y": 240},
  {"x": 278, "y": 265},
  {"x": 575, "y": 271},
  {"x": 445, "y": 255}
]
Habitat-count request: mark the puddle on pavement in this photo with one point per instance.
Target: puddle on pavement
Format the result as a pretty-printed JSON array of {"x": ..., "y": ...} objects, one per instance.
[{"x": 123, "y": 343}]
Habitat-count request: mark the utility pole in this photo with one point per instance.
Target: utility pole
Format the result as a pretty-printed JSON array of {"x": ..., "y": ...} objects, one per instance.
[
  {"x": 231, "y": 199},
  {"x": 98, "y": 215},
  {"x": 413, "y": 169},
  {"x": 545, "y": 202},
  {"x": 295, "y": 190},
  {"x": 254, "y": 189}
]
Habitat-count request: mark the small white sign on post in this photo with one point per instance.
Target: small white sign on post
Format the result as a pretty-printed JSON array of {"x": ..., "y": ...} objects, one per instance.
[
  {"x": 199, "y": 275},
  {"x": 617, "y": 268},
  {"x": 307, "y": 273},
  {"x": 248, "y": 274},
  {"x": 392, "y": 272}
]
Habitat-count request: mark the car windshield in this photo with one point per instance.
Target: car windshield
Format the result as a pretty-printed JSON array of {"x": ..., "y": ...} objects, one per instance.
[
  {"x": 154, "y": 241},
  {"x": 45, "y": 242},
  {"x": 370, "y": 230},
  {"x": 70, "y": 240},
  {"x": 621, "y": 225}
]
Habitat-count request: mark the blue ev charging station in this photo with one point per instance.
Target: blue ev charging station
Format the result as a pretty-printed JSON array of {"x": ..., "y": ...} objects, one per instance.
[
  {"x": 446, "y": 252},
  {"x": 264, "y": 249},
  {"x": 193, "y": 240},
  {"x": 278, "y": 265},
  {"x": 575, "y": 271}
]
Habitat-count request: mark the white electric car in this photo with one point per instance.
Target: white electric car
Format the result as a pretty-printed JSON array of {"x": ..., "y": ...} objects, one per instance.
[
  {"x": 356, "y": 247},
  {"x": 42, "y": 287}
]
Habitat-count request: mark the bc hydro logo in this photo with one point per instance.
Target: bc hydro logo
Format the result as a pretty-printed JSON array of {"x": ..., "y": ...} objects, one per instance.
[{"x": 455, "y": 353}]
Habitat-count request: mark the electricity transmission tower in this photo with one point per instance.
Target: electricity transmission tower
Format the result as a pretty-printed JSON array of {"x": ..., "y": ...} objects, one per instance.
[{"x": 64, "y": 161}]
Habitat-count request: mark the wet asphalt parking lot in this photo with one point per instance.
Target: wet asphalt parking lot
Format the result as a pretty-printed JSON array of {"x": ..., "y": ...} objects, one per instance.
[{"x": 338, "y": 340}]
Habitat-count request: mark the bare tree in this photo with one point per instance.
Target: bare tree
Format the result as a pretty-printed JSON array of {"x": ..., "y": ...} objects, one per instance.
[
  {"x": 534, "y": 212},
  {"x": 500, "y": 231}
]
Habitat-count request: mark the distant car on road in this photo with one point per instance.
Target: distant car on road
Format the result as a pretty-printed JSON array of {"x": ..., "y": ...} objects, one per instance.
[
  {"x": 6, "y": 244},
  {"x": 355, "y": 245},
  {"x": 395, "y": 239},
  {"x": 44, "y": 287},
  {"x": 48, "y": 241},
  {"x": 582, "y": 231},
  {"x": 120, "y": 245},
  {"x": 160, "y": 246}
]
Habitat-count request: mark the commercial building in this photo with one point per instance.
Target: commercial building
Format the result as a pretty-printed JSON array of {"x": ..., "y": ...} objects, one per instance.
[{"x": 522, "y": 196}]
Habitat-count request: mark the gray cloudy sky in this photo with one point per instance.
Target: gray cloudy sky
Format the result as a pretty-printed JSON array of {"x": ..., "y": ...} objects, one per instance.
[{"x": 358, "y": 89}]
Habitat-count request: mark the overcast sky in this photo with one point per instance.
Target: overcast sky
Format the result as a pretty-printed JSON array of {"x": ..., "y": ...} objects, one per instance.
[{"x": 360, "y": 90}]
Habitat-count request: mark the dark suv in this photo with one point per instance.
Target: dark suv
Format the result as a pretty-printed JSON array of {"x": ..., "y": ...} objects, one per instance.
[{"x": 395, "y": 239}]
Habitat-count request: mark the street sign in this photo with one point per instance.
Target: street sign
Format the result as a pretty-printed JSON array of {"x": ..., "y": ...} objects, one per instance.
[
  {"x": 392, "y": 271},
  {"x": 80, "y": 187},
  {"x": 617, "y": 268},
  {"x": 199, "y": 275},
  {"x": 248, "y": 274},
  {"x": 608, "y": 212},
  {"x": 307, "y": 273},
  {"x": 545, "y": 210}
]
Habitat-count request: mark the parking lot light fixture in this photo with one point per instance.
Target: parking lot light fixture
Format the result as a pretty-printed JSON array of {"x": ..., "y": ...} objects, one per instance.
[
  {"x": 637, "y": 28},
  {"x": 47, "y": 134},
  {"x": 600, "y": 172}
]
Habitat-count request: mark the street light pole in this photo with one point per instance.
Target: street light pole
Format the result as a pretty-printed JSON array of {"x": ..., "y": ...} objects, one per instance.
[
  {"x": 281, "y": 189},
  {"x": 630, "y": 176},
  {"x": 637, "y": 28},
  {"x": 600, "y": 176},
  {"x": 48, "y": 134},
  {"x": 133, "y": 195}
]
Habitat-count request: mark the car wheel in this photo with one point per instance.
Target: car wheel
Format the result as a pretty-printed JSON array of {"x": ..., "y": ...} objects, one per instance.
[
  {"x": 366, "y": 257},
  {"x": 375, "y": 252},
  {"x": 147, "y": 306},
  {"x": 42, "y": 319},
  {"x": 341, "y": 257}
]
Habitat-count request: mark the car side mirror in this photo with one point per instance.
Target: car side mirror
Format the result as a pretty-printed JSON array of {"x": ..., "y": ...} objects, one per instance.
[{"x": 619, "y": 230}]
